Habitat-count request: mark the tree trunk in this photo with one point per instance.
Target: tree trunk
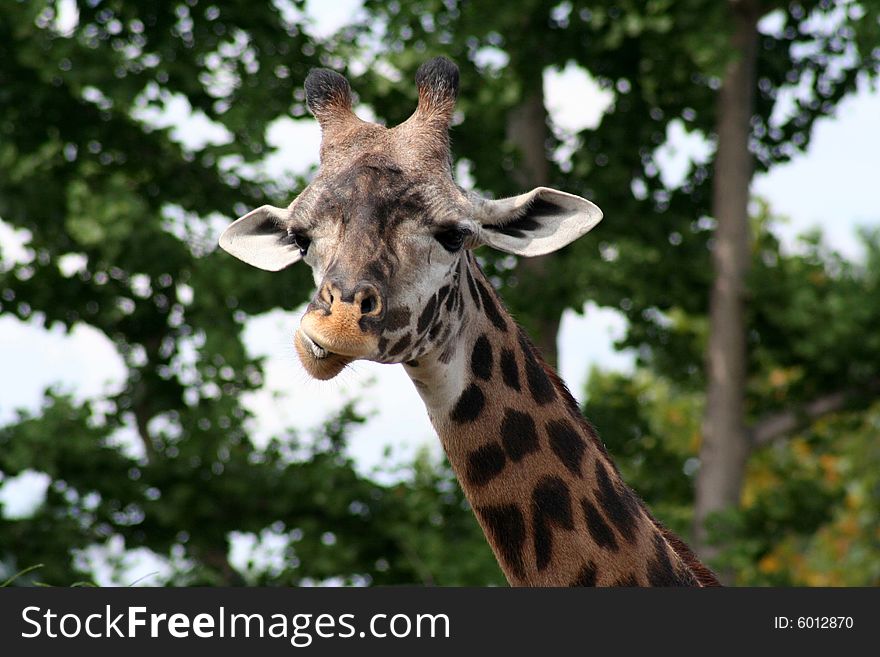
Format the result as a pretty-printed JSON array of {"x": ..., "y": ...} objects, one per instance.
[
  {"x": 527, "y": 130},
  {"x": 726, "y": 446}
]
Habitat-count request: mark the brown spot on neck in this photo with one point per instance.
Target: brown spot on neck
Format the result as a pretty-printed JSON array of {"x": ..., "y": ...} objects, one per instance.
[{"x": 550, "y": 500}]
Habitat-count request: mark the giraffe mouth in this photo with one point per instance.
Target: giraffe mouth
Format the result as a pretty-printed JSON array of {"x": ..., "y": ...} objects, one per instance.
[
  {"x": 317, "y": 351},
  {"x": 318, "y": 361}
]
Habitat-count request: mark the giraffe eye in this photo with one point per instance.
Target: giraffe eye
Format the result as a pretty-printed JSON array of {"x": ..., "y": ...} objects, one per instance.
[
  {"x": 299, "y": 240},
  {"x": 452, "y": 239}
]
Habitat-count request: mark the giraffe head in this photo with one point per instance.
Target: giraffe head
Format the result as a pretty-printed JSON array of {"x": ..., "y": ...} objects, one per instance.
[{"x": 387, "y": 232}]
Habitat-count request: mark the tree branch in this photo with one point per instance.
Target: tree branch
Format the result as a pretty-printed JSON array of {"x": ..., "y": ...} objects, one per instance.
[{"x": 777, "y": 425}]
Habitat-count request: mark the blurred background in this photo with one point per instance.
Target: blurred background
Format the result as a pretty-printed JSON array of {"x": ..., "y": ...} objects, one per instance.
[{"x": 721, "y": 326}]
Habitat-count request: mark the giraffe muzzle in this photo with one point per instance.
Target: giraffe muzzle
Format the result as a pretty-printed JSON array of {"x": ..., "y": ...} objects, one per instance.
[
  {"x": 317, "y": 351},
  {"x": 327, "y": 342},
  {"x": 318, "y": 361}
]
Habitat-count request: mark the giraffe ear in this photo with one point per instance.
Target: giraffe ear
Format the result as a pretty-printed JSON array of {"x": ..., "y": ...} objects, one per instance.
[
  {"x": 538, "y": 222},
  {"x": 260, "y": 238}
]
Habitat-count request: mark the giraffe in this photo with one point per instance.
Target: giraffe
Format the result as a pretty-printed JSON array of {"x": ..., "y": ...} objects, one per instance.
[{"x": 389, "y": 237}]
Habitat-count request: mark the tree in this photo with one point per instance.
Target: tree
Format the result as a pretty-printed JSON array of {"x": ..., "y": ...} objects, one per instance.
[
  {"x": 706, "y": 64},
  {"x": 135, "y": 212},
  {"x": 305, "y": 497},
  {"x": 86, "y": 178},
  {"x": 727, "y": 442},
  {"x": 506, "y": 144},
  {"x": 807, "y": 511}
]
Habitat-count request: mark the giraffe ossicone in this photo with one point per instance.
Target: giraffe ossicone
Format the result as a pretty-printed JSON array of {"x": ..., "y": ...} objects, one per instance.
[{"x": 389, "y": 236}]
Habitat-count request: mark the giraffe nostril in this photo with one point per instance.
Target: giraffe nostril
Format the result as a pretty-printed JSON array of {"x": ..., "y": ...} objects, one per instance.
[{"x": 368, "y": 305}]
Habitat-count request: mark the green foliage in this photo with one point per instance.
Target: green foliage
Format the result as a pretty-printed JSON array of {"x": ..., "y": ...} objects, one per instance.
[
  {"x": 808, "y": 513},
  {"x": 663, "y": 61},
  {"x": 651, "y": 428},
  {"x": 188, "y": 499},
  {"x": 85, "y": 175},
  {"x": 813, "y": 321}
]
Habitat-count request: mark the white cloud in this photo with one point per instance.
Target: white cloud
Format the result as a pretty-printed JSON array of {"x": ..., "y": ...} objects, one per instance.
[
  {"x": 13, "y": 246},
  {"x": 112, "y": 564},
  {"x": 297, "y": 143},
  {"x": 83, "y": 362},
  {"x": 22, "y": 495},
  {"x": 681, "y": 148},
  {"x": 586, "y": 340},
  {"x": 574, "y": 100},
  {"x": 833, "y": 185},
  {"x": 327, "y": 17},
  {"x": 67, "y": 17},
  {"x": 191, "y": 128}
]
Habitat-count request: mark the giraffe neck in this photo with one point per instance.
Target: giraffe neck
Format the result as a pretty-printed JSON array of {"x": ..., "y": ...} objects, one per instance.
[{"x": 544, "y": 489}]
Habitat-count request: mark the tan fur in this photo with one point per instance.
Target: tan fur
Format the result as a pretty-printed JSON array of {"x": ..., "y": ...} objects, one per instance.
[
  {"x": 323, "y": 369},
  {"x": 572, "y": 549},
  {"x": 339, "y": 332}
]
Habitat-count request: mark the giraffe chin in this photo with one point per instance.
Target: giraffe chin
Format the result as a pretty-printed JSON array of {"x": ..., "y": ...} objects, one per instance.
[{"x": 319, "y": 363}]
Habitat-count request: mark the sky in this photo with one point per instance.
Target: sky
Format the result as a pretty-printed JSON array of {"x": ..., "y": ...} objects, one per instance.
[{"x": 831, "y": 186}]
